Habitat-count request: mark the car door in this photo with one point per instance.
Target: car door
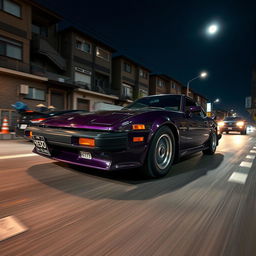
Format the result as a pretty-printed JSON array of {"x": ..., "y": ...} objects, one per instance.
[{"x": 197, "y": 125}]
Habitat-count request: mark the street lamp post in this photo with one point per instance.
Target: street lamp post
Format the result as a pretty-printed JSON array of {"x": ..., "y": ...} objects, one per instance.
[{"x": 202, "y": 75}]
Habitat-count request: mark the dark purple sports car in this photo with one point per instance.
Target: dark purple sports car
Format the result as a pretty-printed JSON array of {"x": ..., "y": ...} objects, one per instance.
[{"x": 150, "y": 133}]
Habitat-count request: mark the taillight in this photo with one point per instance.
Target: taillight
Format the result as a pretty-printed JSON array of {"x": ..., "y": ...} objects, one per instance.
[{"x": 38, "y": 120}]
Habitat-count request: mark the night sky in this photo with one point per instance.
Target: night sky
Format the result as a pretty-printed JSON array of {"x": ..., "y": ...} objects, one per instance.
[{"x": 169, "y": 37}]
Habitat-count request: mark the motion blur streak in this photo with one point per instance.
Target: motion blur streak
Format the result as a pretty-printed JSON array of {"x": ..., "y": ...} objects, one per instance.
[{"x": 193, "y": 211}]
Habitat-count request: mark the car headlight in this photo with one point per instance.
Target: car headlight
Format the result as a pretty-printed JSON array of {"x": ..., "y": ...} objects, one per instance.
[
  {"x": 241, "y": 123},
  {"x": 220, "y": 124}
]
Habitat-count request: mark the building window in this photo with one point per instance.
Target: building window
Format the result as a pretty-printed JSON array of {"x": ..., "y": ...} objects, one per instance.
[
  {"x": 173, "y": 85},
  {"x": 83, "y": 80},
  {"x": 127, "y": 91},
  {"x": 143, "y": 74},
  {"x": 142, "y": 93},
  {"x": 10, "y": 48},
  {"x": 83, "y": 45},
  {"x": 35, "y": 94},
  {"x": 102, "y": 54},
  {"x": 161, "y": 83},
  {"x": 127, "y": 67},
  {"x": 11, "y": 7},
  {"x": 40, "y": 30}
]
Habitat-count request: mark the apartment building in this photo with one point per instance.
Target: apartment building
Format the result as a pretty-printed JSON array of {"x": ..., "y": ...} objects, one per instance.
[
  {"x": 163, "y": 84},
  {"x": 199, "y": 98},
  {"x": 130, "y": 79},
  {"x": 89, "y": 66},
  {"x": 31, "y": 68}
]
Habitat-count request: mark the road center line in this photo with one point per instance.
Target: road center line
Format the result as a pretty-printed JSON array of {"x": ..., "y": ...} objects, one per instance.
[
  {"x": 238, "y": 177},
  {"x": 17, "y": 156},
  {"x": 250, "y": 156},
  {"x": 246, "y": 164}
]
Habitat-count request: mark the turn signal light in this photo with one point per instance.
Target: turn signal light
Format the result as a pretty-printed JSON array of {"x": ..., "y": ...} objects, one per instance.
[
  {"x": 138, "y": 127},
  {"x": 87, "y": 142},
  {"x": 138, "y": 139}
]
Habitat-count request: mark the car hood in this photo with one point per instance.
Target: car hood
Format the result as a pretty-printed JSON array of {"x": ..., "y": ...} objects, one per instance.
[{"x": 102, "y": 120}]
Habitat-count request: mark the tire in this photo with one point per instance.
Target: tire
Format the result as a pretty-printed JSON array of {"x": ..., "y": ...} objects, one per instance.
[
  {"x": 243, "y": 132},
  {"x": 212, "y": 144},
  {"x": 160, "y": 154}
]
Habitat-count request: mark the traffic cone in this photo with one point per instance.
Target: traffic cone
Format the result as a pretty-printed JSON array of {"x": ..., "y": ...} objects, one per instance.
[{"x": 5, "y": 126}]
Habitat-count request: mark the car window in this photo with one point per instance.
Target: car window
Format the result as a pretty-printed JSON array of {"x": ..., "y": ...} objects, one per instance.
[
  {"x": 168, "y": 102},
  {"x": 190, "y": 103}
]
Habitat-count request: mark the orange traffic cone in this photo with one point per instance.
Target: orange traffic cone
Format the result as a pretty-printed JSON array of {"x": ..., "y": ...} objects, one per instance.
[{"x": 5, "y": 126}]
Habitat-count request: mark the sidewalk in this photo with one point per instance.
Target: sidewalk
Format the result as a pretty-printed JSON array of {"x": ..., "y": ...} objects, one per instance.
[{"x": 10, "y": 136}]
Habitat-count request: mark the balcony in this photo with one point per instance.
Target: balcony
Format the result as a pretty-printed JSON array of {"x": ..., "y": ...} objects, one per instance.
[
  {"x": 17, "y": 65},
  {"x": 41, "y": 46}
]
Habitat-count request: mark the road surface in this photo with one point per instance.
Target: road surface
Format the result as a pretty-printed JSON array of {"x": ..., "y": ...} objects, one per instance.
[{"x": 205, "y": 206}]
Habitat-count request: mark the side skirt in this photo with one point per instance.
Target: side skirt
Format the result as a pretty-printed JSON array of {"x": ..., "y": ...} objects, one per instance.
[{"x": 189, "y": 151}]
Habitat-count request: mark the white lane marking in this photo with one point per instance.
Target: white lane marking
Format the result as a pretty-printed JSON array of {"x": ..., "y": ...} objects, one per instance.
[
  {"x": 250, "y": 156},
  {"x": 253, "y": 151},
  {"x": 254, "y": 147},
  {"x": 17, "y": 156},
  {"x": 246, "y": 164},
  {"x": 10, "y": 226},
  {"x": 238, "y": 177}
]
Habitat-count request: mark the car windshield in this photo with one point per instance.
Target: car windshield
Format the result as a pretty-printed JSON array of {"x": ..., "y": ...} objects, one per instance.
[
  {"x": 231, "y": 118},
  {"x": 168, "y": 102}
]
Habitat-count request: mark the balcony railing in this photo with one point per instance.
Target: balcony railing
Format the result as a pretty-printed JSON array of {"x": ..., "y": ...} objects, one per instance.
[{"x": 14, "y": 65}]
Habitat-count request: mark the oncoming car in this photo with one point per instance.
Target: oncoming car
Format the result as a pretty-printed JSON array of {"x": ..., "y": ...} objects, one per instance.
[
  {"x": 233, "y": 124},
  {"x": 150, "y": 133}
]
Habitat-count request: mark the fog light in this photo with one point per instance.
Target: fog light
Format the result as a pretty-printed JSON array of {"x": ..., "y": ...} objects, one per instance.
[
  {"x": 87, "y": 142},
  {"x": 138, "y": 139}
]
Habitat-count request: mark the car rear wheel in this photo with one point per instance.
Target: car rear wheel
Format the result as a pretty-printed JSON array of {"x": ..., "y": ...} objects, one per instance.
[
  {"x": 160, "y": 154},
  {"x": 212, "y": 144}
]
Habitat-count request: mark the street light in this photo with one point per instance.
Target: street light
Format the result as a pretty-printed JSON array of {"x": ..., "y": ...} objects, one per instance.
[
  {"x": 212, "y": 29},
  {"x": 202, "y": 75},
  {"x": 216, "y": 101}
]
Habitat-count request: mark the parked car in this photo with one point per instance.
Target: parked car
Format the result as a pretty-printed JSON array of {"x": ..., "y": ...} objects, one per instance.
[
  {"x": 26, "y": 118},
  {"x": 150, "y": 133},
  {"x": 233, "y": 124},
  {"x": 33, "y": 118}
]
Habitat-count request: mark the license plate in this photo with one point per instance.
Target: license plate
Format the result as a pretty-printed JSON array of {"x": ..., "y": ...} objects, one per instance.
[
  {"x": 230, "y": 128},
  {"x": 85, "y": 155},
  {"x": 23, "y": 126},
  {"x": 40, "y": 145}
]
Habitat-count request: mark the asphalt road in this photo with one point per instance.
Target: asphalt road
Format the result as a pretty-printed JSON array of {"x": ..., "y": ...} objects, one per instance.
[{"x": 205, "y": 206}]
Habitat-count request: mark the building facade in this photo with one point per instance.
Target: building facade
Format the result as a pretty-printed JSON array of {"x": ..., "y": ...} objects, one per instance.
[
  {"x": 163, "y": 84},
  {"x": 130, "y": 79},
  {"x": 89, "y": 66}
]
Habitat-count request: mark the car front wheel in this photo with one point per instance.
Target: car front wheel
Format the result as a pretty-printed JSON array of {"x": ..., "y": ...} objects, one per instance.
[{"x": 160, "y": 154}]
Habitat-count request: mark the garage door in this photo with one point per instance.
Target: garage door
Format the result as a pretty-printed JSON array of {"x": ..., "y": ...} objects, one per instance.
[
  {"x": 83, "y": 104},
  {"x": 57, "y": 100}
]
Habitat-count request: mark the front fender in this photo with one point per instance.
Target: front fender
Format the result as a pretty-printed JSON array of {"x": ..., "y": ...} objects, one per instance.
[{"x": 161, "y": 121}]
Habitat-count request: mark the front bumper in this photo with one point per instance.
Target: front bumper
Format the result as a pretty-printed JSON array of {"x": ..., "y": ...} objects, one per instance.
[
  {"x": 232, "y": 129},
  {"x": 113, "y": 150}
]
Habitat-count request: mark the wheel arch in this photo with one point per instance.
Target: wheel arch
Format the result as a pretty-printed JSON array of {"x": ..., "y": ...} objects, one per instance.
[{"x": 157, "y": 125}]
